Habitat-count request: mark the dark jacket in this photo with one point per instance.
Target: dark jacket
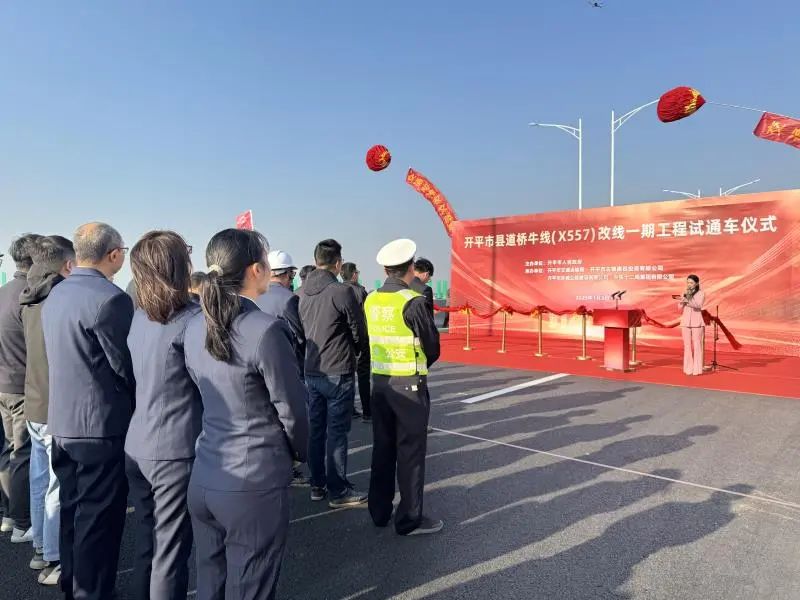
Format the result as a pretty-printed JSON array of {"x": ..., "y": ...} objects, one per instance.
[
  {"x": 360, "y": 291},
  {"x": 419, "y": 319},
  {"x": 167, "y": 418},
  {"x": 280, "y": 302},
  {"x": 12, "y": 337},
  {"x": 86, "y": 321},
  {"x": 425, "y": 290},
  {"x": 334, "y": 324},
  {"x": 41, "y": 281},
  {"x": 254, "y": 406}
]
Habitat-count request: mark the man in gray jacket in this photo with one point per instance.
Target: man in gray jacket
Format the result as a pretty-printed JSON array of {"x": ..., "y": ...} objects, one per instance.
[
  {"x": 14, "y": 460},
  {"x": 86, "y": 321}
]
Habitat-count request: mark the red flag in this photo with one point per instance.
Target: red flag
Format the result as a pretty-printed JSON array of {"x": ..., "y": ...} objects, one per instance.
[
  {"x": 777, "y": 128},
  {"x": 245, "y": 220},
  {"x": 431, "y": 193}
]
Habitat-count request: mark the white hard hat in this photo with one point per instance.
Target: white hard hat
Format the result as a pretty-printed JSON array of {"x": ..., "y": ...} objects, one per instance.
[
  {"x": 280, "y": 261},
  {"x": 396, "y": 253}
]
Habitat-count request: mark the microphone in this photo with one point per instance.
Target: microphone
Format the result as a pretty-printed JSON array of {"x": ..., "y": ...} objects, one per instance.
[{"x": 620, "y": 294}]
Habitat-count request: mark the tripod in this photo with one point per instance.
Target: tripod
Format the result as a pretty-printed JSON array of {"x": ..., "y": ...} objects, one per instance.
[{"x": 715, "y": 366}]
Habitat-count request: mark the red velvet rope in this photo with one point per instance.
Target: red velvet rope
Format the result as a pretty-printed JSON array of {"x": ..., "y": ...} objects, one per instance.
[{"x": 708, "y": 318}]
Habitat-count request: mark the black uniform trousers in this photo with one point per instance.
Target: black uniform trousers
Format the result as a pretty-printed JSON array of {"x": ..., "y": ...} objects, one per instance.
[
  {"x": 400, "y": 410},
  {"x": 240, "y": 538},
  {"x": 15, "y": 460},
  {"x": 93, "y": 494},
  {"x": 163, "y": 527},
  {"x": 364, "y": 374}
]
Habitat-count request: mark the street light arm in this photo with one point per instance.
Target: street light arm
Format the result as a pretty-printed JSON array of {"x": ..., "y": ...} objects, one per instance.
[
  {"x": 573, "y": 131},
  {"x": 624, "y": 118},
  {"x": 738, "y": 187},
  {"x": 687, "y": 194}
]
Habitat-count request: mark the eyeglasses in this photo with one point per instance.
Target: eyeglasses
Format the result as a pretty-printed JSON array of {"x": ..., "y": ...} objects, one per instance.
[{"x": 122, "y": 249}]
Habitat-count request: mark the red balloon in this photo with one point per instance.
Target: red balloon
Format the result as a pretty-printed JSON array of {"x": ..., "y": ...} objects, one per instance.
[
  {"x": 378, "y": 158},
  {"x": 679, "y": 103}
]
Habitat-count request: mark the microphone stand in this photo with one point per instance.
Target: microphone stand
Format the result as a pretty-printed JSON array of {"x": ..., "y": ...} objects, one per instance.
[{"x": 715, "y": 366}]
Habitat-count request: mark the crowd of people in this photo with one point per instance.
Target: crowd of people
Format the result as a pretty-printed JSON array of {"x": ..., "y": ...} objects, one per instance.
[{"x": 198, "y": 398}]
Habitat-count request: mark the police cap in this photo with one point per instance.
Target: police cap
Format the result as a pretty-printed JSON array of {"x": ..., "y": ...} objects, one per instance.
[{"x": 396, "y": 253}]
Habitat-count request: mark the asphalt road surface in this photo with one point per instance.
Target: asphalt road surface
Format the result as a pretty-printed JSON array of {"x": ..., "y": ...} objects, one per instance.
[{"x": 572, "y": 488}]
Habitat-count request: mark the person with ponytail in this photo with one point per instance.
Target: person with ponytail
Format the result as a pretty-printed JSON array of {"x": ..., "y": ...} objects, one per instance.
[
  {"x": 159, "y": 447},
  {"x": 254, "y": 424}
]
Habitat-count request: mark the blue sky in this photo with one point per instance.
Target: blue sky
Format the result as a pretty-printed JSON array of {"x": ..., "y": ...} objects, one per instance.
[{"x": 180, "y": 115}]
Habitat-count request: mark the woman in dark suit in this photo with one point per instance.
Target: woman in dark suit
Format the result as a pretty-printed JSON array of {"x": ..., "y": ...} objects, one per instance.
[
  {"x": 254, "y": 424},
  {"x": 159, "y": 446}
]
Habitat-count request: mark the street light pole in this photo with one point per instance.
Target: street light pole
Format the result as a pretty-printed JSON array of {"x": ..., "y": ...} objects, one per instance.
[
  {"x": 577, "y": 133},
  {"x": 615, "y": 125}
]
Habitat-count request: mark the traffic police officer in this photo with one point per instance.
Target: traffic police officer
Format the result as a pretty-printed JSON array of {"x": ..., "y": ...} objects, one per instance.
[{"x": 404, "y": 343}]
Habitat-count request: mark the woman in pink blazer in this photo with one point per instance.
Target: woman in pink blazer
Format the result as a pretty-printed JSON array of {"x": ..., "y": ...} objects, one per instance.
[{"x": 692, "y": 326}]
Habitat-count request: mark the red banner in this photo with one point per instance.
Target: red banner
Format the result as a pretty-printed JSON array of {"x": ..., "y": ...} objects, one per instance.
[
  {"x": 245, "y": 220},
  {"x": 777, "y": 128},
  {"x": 431, "y": 193},
  {"x": 744, "y": 249}
]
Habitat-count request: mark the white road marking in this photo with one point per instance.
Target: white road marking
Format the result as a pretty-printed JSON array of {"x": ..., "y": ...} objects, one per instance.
[
  {"x": 765, "y": 499},
  {"x": 514, "y": 388}
]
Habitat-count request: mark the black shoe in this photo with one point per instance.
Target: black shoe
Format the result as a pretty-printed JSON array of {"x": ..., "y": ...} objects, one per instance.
[
  {"x": 356, "y": 414},
  {"x": 427, "y": 526},
  {"x": 318, "y": 493},
  {"x": 298, "y": 479},
  {"x": 350, "y": 498},
  {"x": 366, "y": 419}
]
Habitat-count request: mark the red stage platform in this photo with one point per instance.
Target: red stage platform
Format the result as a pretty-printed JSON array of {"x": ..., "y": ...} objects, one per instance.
[{"x": 756, "y": 374}]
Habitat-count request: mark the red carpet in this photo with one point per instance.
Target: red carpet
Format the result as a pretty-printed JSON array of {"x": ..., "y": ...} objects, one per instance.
[{"x": 755, "y": 374}]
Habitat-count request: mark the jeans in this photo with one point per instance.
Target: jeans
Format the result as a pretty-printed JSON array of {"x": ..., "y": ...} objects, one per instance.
[
  {"x": 45, "y": 506},
  {"x": 15, "y": 459},
  {"x": 330, "y": 414}
]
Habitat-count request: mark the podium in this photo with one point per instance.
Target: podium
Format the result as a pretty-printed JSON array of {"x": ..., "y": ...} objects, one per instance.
[{"x": 616, "y": 344}]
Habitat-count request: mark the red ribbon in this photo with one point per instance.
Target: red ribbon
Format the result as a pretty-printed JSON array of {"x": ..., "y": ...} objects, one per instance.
[{"x": 708, "y": 318}]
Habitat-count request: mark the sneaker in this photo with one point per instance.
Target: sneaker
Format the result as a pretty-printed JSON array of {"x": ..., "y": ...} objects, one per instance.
[
  {"x": 38, "y": 562},
  {"x": 8, "y": 525},
  {"x": 298, "y": 479},
  {"x": 366, "y": 419},
  {"x": 350, "y": 498},
  {"x": 318, "y": 493},
  {"x": 51, "y": 575},
  {"x": 20, "y": 536},
  {"x": 427, "y": 526}
]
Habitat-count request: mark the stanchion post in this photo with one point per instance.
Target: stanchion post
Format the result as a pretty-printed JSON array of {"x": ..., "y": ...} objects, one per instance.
[
  {"x": 469, "y": 312},
  {"x": 583, "y": 355},
  {"x": 503, "y": 338},
  {"x": 705, "y": 366},
  {"x": 633, "y": 362},
  {"x": 540, "y": 353}
]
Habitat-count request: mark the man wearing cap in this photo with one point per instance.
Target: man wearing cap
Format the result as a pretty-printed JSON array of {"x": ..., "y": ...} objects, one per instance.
[
  {"x": 404, "y": 343},
  {"x": 281, "y": 302}
]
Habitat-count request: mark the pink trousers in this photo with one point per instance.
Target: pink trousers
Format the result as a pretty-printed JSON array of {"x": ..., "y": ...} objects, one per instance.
[{"x": 693, "y": 350}]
